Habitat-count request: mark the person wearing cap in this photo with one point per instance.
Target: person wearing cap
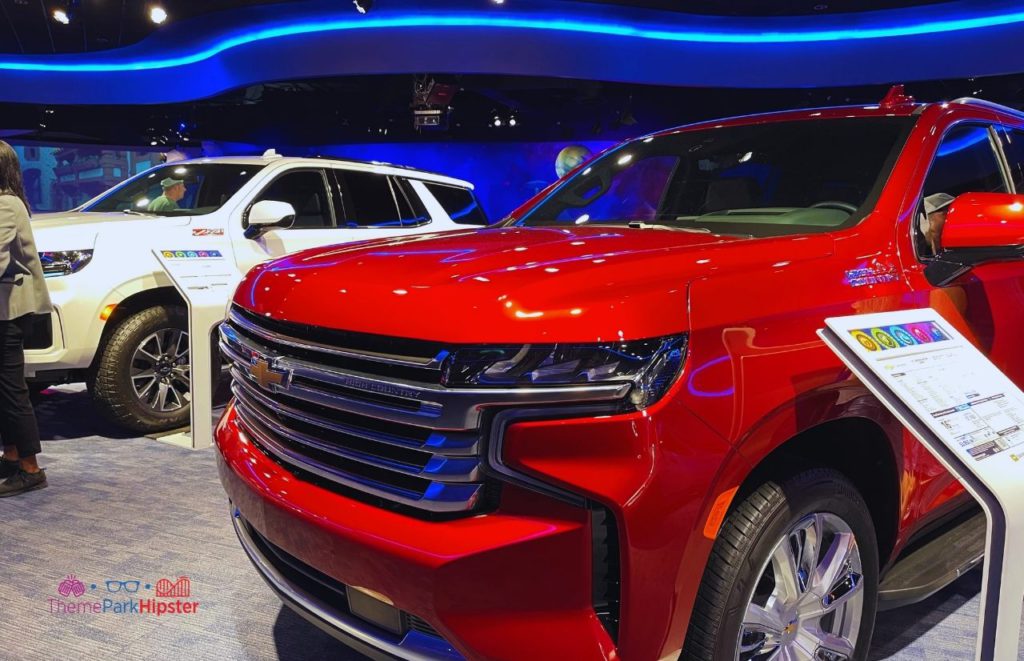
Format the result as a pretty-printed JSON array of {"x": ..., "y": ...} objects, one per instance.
[
  {"x": 936, "y": 206},
  {"x": 174, "y": 190}
]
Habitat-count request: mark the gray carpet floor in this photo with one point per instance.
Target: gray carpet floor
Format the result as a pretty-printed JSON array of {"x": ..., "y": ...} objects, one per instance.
[{"x": 122, "y": 508}]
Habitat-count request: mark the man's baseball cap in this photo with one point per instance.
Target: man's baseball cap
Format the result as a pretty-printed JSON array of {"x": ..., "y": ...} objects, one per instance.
[
  {"x": 169, "y": 182},
  {"x": 937, "y": 202}
]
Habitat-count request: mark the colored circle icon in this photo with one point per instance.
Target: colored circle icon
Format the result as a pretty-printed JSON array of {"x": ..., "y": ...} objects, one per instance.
[
  {"x": 922, "y": 336},
  {"x": 865, "y": 340},
  {"x": 884, "y": 338},
  {"x": 902, "y": 336},
  {"x": 937, "y": 333}
]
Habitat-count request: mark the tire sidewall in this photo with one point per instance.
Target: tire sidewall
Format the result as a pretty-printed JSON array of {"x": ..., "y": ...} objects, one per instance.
[
  {"x": 123, "y": 343},
  {"x": 805, "y": 495}
]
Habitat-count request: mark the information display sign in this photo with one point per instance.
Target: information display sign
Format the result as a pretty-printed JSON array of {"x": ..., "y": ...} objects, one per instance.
[
  {"x": 971, "y": 417},
  {"x": 206, "y": 277}
]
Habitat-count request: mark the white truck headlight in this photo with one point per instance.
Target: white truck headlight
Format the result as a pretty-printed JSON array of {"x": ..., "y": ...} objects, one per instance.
[{"x": 64, "y": 262}]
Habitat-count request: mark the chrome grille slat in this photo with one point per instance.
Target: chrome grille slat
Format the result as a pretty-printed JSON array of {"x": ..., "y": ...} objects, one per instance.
[
  {"x": 431, "y": 363},
  {"x": 452, "y": 444},
  {"x": 435, "y": 466},
  {"x": 442, "y": 497},
  {"x": 392, "y": 433}
]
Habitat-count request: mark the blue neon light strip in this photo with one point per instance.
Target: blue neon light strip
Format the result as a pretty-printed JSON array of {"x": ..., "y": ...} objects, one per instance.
[{"x": 522, "y": 23}]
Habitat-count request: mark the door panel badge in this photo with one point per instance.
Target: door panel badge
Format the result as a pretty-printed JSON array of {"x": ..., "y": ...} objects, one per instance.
[{"x": 875, "y": 273}]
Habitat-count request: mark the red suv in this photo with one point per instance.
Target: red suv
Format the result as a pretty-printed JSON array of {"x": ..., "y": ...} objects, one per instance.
[{"x": 606, "y": 428}]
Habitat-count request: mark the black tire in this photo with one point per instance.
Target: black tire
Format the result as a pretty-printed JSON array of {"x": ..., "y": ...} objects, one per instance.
[
  {"x": 110, "y": 381},
  {"x": 750, "y": 533}
]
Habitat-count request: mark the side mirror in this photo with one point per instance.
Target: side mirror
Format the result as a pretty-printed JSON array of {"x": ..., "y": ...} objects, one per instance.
[
  {"x": 268, "y": 214},
  {"x": 979, "y": 227}
]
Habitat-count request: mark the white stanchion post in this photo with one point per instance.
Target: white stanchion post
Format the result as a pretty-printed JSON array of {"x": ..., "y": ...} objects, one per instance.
[
  {"x": 971, "y": 417},
  {"x": 205, "y": 276}
]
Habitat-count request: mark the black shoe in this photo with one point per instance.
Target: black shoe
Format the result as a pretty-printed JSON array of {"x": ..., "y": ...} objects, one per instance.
[
  {"x": 21, "y": 482},
  {"x": 8, "y": 468}
]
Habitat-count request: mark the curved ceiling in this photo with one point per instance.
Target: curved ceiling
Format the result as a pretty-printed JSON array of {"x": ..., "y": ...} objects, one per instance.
[
  {"x": 26, "y": 26},
  {"x": 201, "y": 57}
]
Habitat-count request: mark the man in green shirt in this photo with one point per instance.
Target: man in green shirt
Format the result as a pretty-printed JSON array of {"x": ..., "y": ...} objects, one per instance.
[{"x": 174, "y": 190}]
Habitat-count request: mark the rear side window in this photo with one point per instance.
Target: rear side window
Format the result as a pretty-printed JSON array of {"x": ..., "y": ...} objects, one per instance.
[
  {"x": 965, "y": 163},
  {"x": 459, "y": 203},
  {"x": 1013, "y": 141},
  {"x": 378, "y": 200}
]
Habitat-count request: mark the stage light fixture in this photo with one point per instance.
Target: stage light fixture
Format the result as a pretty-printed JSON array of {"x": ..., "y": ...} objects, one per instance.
[
  {"x": 61, "y": 16},
  {"x": 363, "y": 6},
  {"x": 157, "y": 14},
  {"x": 512, "y": 121}
]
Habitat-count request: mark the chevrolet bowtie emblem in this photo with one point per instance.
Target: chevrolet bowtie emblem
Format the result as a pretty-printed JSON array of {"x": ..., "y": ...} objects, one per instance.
[{"x": 269, "y": 378}]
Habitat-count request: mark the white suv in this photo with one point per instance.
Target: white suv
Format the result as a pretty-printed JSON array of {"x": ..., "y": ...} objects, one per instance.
[{"x": 120, "y": 325}]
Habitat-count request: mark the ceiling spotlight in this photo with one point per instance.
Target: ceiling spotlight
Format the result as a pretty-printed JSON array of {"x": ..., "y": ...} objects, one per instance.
[
  {"x": 496, "y": 121},
  {"x": 363, "y": 6},
  {"x": 157, "y": 14},
  {"x": 61, "y": 16},
  {"x": 512, "y": 121}
]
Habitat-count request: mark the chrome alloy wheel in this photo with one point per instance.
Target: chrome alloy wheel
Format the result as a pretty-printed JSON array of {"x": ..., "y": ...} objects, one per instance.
[
  {"x": 809, "y": 597},
  {"x": 160, "y": 371}
]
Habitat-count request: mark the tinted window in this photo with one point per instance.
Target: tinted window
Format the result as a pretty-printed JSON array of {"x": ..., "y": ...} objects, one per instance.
[
  {"x": 306, "y": 190},
  {"x": 1013, "y": 140},
  {"x": 207, "y": 187},
  {"x": 459, "y": 203},
  {"x": 377, "y": 200},
  {"x": 965, "y": 163},
  {"x": 759, "y": 179}
]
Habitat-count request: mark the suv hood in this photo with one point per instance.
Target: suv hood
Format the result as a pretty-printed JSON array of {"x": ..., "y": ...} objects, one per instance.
[
  {"x": 76, "y": 230},
  {"x": 513, "y": 284}
]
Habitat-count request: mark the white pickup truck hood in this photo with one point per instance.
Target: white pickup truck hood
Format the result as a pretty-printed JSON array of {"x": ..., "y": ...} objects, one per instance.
[{"x": 78, "y": 230}]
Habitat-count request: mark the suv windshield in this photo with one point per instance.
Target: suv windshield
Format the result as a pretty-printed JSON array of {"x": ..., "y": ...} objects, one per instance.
[
  {"x": 177, "y": 189},
  {"x": 764, "y": 179}
]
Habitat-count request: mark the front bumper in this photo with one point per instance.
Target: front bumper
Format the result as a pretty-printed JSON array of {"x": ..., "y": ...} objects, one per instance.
[
  {"x": 327, "y": 615},
  {"x": 516, "y": 582},
  {"x": 76, "y": 331}
]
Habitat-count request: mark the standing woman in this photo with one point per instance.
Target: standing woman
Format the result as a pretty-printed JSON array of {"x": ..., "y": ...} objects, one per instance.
[{"x": 22, "y": 294}]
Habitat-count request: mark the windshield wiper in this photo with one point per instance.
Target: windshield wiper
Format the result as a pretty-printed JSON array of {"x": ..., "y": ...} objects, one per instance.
[{"x": 641, "y": 225}]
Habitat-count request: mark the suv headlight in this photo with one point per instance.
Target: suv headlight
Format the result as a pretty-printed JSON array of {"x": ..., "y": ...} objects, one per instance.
[
  {"x": 64, "y": 262},
  {"x": 651, "y": 365}
]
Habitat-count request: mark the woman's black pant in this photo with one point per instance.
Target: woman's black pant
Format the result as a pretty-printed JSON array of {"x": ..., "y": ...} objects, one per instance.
[{"x": 18, "y": 426}]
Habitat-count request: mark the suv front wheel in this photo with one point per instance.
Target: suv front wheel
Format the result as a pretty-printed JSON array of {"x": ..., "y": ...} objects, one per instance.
[
  {"x": 141, "y": 379},
  {"x": 793, "y": 575}
]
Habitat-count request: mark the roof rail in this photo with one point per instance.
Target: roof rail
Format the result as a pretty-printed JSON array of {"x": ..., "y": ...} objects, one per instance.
[
  {"x": 408, "y": 168},
  {"x": 974, "y": 101}
]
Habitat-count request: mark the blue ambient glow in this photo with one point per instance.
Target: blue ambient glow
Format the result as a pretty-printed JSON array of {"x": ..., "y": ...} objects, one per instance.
[{"x": 523, "y": 23}]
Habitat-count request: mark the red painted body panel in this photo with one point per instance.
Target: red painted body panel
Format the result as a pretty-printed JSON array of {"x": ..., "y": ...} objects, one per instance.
[{"x": 516, "y": 581}]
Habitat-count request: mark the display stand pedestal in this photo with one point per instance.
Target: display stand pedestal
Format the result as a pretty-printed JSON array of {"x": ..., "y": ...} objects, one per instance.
[
  {"x": 206, "y": 278},
  {"x": 971, "y": 417}
]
